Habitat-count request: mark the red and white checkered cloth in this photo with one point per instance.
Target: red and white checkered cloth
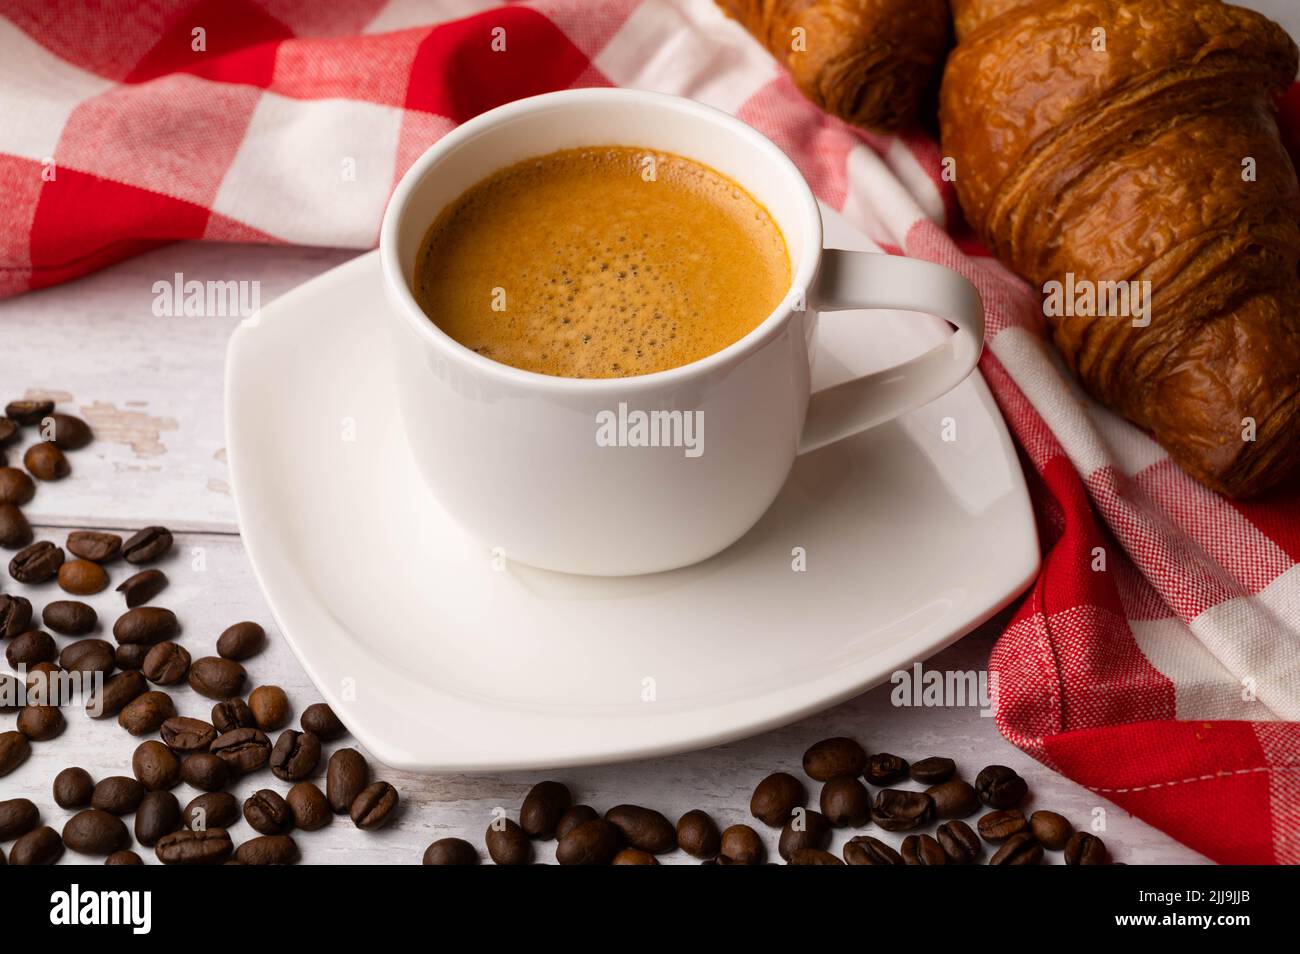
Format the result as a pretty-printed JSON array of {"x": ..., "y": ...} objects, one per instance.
[{"x": 1166, "y": 678}]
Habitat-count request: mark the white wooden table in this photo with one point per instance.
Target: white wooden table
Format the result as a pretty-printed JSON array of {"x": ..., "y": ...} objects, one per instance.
[{"x": 152, "y": 389}]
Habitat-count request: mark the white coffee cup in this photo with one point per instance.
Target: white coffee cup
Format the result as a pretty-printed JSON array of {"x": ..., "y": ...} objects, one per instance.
[{"x": 522, "y": 460}]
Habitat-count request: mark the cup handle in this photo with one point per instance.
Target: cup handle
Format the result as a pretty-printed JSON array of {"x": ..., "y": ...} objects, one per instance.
[{"x": 851, "y": 280}]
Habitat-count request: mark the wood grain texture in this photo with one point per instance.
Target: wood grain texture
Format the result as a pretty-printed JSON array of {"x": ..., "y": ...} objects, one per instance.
[{"x": 153, "y": 388}]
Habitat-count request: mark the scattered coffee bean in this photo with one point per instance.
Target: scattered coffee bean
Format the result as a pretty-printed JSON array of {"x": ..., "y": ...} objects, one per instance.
[
  {"x": 1053, "y": 831},
  {"x": 373, "y": 808},
  {"x": 243, "y": 750},
  {"x": 14, "y": 750},
  {"x": 183, "y": 734},
  {"x": 166, "y": 663},
  {"x": 18, "y": 816},
  {"x": 831, "y": 758},
  {"x": 41, "y": 846},
  {"x": 208, "y": 846},
  {"x": 215, "y": 677},
  {"x": 11, "y": 694},
  {"x": 507, "y": 844},
  {"x": 698, "y": 835},
  {"x": 82, "y": 578},
  {"x": 898, "y": 810},
  {"x": 142, "y": 587},
  {"x": 954, "y": 799},
  {"x": 146, "y": 624},
  {"x": 933, "y": 771},
  {"x": 267, "y": 850},
  {"x": 45, "y": 461},
  {"x": 590, "y": 843},
  {"x": 159, "y": 814},
  {"x": 8, "y": 431},
  {"x": 241, "y": 641},
  {"x": 268, "y": 813},
  {"x": 94, "y": 545},
  {"x": 345, "y": 776},
  {"x": 270, "y": 707},
  {"x": 73, "y": 788},
  {"x": 130, "y": 655},
  {"x": 806, "y": 829},
  {"x": 922, "y": 850},
  {"x": 15, "y": 615},
  {"x": 117, "y": 794},
  {"x": 231, "y": 714},
  {"x": 124, "y": 857},
  {"x": 959, "y": 842},
  {"x": 156, "y": 766},
  {"x": 1000, "y": 787},
  {"x": 450, "y": 851},
  {"x": 885, "y": 769},
  {"x": 742, "y": 846},
  {"x": 997, "y": 827},
  {"x": 40, "y": 723},
  {"x": 814, "y": 856},
  {"x": 71, "y": 618},
  {"x": 310, "y": 807},
  {"x": 1084, "y": 848},
  {"x": 95, "y": 832},
  {"x": 543, "y": 807},
  {"x": 295, "y": 756},
  {"x": 147, "y": 545},
  {"x": 634, "y": 856},
  {"x": 211, "y": 810},
  {"x": 37, "y": 563},
  {"x": 574, "y": 817},
  {"x": 31, "y": 647},
  {"x": 146, "y": 712},
  {"x": 844, "y": 801},
  {"x": 643, "y": 828},
  {"x": 15, "y": 487},
  {"x": 87, "y": 656},
  {"x": 30, "y": 412},
  {"x": 1019, "y": 849},
  {"x": 205, "y": 771},
  {"x": 42, "y": 683},
  {"x": 320, "y": 720},
  {"x": 116, "y": 694},
  {"x": 68, "y": 432},
  {"x": 777, "y": 796},
  {"x": 15, "y": 531}
]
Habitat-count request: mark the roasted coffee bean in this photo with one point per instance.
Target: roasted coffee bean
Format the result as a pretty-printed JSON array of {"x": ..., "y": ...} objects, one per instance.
[
  {"x": 94, "y": 545},
  {"x": 31, "y": 647},
  {"x": 922, "y": 850},
  {"x": 814, "y": 856},
  {"x": 29, "y": 412},
  {"x": 643, "y": 828},
  {"x": 507, "y": 844},
  {"x": 146, "y": 624},
  {"x": 310, "y": 808},
  {"x": 8, "y": 431},
  {"x": 37, "y": 563},
  {"x": 844, "y": 801},
  {"x": 267, "y": 850},
  {"x": 87, "y": 656},
  {"x": 18, "y": 816},
  {"x": 117, "y": 794},
  {"x": 156, "y": 766},
  {"x": 934, "y": 770},
  {"x": 1000, "y": 787},
  {"x": 543, "y": 807},
  {"x": 831, "y": 758},
  {"x": 345, "y": 776},
  {"x": 73, "y": 788},
  {"x": 698, "y": 835},
  {"x": 71, "y": 618},
  {"x": 82, "y": 578},
  {"x": 231, "y": 714},
  {"x": 374, "y": 807},
  {"x": 208, "y": 846},
  {"x": 243, "y": 750},
  {"x": 634, "y": 856},
  {"x": 15, "y": 615},
  {"x": 146, "y": 712},
  {"x": 211, "y": 810},
  {"x": 147, "y": 545},
  {"x": 1053, "y": 831},
  {"x": 124, "y": 857},
  {"x": 15, "y": 487},
  {"x": 571, "y": 819},
  {"x": 15, "y": 531},
  {"x": 45, "y": 461},
  {"x": 116, "y": 694},
  {"x": 270, "y": 707},
  {"x": 42, "y": 683},
  {"x": 1019, "y": 849},
  {"x": 450, "y": 851},
  {"x": 591, "y": 843},
  {"x": 159, "y": 814},
  {"x": 14, "y": 749},
  {"x": 320, "y": 720},
  {"x": 954, "y": 799},
  {"x": 776, "y": 797},
  {"x": 69, "y": 433},
  {"x": 142, "y": 587},
  {"x": 997, "y": 827},
  {"x": 215, "y": 677},
  {"x": 268, "y": 813},
  {"x": 241, "y": 641},
  {"x": 40, "y": 846},
  {"x": 183, "y": 734},
  {"x": 166, "y": 664},
  {"x": 130, "y": 655},
  {"x": 898, "y": 810},
  {"x": 742, "y": 846},
  {"x": 885, "y": 769},
  {"x": 296, "y": 755},
  {"x": 807, "y": 829},
  {"x": 11, "y": 694},
  {"x": 959, "y": 842},
  {"x": 95, "y": 832},
  {"x": 1085, "y": 849},
  {"x": 40, "y": 723}
]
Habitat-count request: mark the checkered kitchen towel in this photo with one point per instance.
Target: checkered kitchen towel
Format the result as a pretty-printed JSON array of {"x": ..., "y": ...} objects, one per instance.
[{"x": 1169, "y": 681}]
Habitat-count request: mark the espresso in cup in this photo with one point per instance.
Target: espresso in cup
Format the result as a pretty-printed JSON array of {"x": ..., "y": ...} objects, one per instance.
[{"x": 602, "y": 262}]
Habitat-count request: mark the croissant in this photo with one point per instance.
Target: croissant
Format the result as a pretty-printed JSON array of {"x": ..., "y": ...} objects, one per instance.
[
  {"x": 870, "y": 62},
  {"x": 1126, "y": 152}
]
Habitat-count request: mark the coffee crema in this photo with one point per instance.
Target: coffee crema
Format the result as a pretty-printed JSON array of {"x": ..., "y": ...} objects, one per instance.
[{"x": 602, "y": 262}]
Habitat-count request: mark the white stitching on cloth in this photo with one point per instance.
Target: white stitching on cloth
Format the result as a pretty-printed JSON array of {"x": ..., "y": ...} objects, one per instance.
[{"x": 1198, "y": 778}]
